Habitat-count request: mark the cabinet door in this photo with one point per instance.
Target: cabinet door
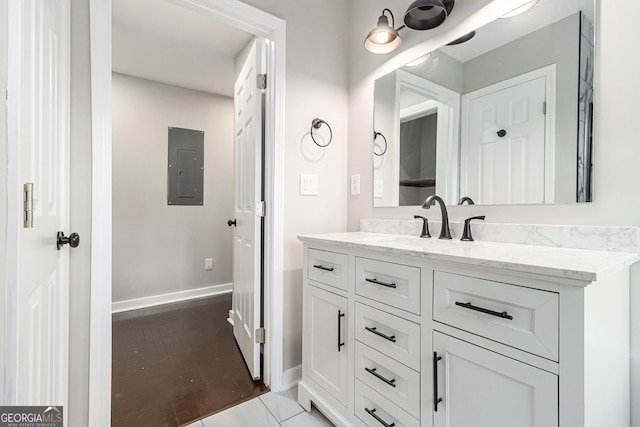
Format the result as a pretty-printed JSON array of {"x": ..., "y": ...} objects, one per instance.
[
  {"x": 481, "y": 388},
  {"x": 326, "y": 340}
]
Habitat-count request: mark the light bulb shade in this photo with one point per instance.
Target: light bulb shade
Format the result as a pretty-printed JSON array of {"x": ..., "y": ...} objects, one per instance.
[
  {"x": 427, "y": 14},
  {"x": 383, "y": 38}
]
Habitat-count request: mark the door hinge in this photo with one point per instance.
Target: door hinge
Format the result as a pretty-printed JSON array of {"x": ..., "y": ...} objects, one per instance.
[
  {"x": 28, "y": 205},
  {"x": 260, "y": 336},
  {"x": 262, "y": 81},
  {"x": 544, "y": 107},
  {"x": 260, "y": 208}
]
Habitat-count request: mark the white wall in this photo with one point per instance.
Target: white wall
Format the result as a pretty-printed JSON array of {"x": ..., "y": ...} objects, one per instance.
[
  {"x": 316, "y": 86},
  {"x": 615, "y": 159},
  {"x": 157, "y": 248}
]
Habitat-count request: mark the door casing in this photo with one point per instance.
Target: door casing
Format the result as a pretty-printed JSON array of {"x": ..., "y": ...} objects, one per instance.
[{"x": 244, "y": 17}]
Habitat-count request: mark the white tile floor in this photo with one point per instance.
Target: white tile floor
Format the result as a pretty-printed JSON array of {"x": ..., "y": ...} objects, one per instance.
[{"x": 268, "y": 410}]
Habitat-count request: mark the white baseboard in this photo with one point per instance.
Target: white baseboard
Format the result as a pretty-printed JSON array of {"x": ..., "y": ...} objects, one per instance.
[
  {"x": 230, "y": 318},
  {"x": 133, "y": 304},
  {"x": 291, "y": 377}
]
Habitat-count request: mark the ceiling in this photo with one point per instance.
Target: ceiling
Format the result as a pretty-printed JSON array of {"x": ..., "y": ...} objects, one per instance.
[{"x": 158, "y": 40}]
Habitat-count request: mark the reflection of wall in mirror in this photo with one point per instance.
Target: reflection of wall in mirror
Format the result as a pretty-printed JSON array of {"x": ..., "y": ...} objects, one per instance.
[{"x": 560, "y": 44}]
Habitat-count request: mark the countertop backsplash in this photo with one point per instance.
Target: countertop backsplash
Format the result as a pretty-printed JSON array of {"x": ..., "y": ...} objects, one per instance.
[{"x": 599, "y": 238}]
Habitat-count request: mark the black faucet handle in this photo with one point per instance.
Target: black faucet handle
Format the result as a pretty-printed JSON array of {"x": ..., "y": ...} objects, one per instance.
[
  {"x": 425, "y": 226},
  {"x": 466, "y": 233}
]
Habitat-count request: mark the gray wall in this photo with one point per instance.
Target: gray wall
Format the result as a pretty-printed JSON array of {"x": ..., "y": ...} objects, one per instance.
[
  {"x": 157, "y": 248},
  {"x": 554, "y": 44}
]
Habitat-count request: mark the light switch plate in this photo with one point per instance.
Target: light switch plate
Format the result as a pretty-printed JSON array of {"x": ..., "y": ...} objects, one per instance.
[
  {"x": 355, "y": 185},
  {"x": 378, "y": 188},
  {"x": 308, "y": 185},
  {"x": 208, "y": 263}
]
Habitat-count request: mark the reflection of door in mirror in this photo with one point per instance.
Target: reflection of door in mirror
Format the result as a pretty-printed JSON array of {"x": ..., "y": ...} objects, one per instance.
[
  {"x": 507, "y": 145},
  {"x": 419, "y": 120}
]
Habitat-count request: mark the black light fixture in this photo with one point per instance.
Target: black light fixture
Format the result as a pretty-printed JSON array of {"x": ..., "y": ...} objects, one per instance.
[
  {"x": 383, "y": 38},
  {"x": 425, "y": 14},
  {"x": 421, "y": 15}
]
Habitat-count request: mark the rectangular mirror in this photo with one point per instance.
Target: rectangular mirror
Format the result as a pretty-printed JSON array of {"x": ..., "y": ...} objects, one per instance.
[{"x": 503, "y": 118}]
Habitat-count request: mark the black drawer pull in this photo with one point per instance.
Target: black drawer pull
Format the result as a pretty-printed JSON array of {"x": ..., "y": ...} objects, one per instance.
[
  {"x": 391, "y": 338},
  {"x": 377, "y": 282},
  {"x": 322, "y": 267},
  {"x": 436, "y": 399},
  {"x": 378, "y": 419},
  {"x": 373, "y": 372},
  {"x": 340, "y": 343},
  {"x": 468, "y": 305}
]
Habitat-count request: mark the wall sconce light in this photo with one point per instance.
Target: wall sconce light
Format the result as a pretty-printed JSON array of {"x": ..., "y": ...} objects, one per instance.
[
  {"x": 421, "y": 15},
  {"x": 427, "y": 14},
  {"x": 383, "y": 38}
]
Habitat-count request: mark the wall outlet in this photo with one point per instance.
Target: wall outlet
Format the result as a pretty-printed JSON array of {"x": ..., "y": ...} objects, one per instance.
[{"x": 208, "y": 264}]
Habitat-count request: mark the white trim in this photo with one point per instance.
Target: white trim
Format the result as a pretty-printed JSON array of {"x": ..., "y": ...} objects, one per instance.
[
  {"x": 291, "y": 377},
  {"x": 245, "y": 17},
  {"x": 549, "y": 73},
  {"x": 134, "y": 304},
  {"x": 101, "y": 222}
]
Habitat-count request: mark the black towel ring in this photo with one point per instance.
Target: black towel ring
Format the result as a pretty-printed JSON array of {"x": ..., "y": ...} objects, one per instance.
[
  {"x": 315, "y": 124},
  {"x": 375, "y": 135}
]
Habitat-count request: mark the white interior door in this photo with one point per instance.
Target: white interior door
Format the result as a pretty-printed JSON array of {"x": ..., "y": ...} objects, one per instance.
[
  {"x": 248, "y": 209},
  {"x": 38, "y": 151},
  {"x": 505, "y": 144}
]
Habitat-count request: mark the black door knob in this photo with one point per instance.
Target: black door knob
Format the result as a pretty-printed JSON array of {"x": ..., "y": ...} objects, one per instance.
[
  {"x": 73, "y": 240},
  {"x": 501, "y": 133},
  {"x": 231, "y": 222}
]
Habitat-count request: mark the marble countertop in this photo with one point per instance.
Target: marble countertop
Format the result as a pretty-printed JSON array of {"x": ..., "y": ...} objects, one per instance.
[{"x": 579, "y": 264}]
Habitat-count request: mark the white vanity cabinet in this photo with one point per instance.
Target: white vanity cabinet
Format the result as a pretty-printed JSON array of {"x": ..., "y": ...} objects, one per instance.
[{"x": 457, "y": 342}]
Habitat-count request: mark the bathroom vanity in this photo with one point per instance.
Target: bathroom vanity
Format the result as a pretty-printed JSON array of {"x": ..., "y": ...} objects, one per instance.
[{"x": 402, "y": 331}]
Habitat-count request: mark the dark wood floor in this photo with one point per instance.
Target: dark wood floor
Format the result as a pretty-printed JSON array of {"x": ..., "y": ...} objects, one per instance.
[{"x": 177, "y": 363}]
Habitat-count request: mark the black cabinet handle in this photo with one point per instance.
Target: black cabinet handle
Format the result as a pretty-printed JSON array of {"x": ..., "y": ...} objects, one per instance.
[
  {"x": 377, "y": 282},
  {"x": 322, "y": 267},
  {"x": 373, "y": 372},
  {"x": 372, "y": 412},
  {"x": 503, "y": 315},
  {"x": 436, "y": 399},
  {"x": 340, "y": 343},
  {"x": 391, "y": 338}
]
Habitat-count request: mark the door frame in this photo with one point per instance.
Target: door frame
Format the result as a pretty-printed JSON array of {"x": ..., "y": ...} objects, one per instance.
[{"x": 244, "y": 17}]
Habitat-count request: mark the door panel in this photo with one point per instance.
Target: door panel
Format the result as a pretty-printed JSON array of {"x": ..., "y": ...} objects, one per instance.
[
  {"x": 37, "y": 273},
  {"x": 247, "y": 251},
  {"x": 507, "y": 168},
  {"x": 481, "y": 388}
]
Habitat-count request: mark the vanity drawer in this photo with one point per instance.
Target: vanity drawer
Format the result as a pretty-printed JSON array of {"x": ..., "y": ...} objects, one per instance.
[
  {"x": 374, "y": 409},
  {"x": 392, "y": 379},
  {"x": 392, "y": 335},
  {"x": 330, "y": 268},
  {"x": 393, "y": 284},
  {"x": 520, "y": 317}
]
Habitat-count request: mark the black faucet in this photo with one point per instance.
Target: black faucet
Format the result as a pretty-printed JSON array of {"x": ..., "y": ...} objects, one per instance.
[
  {"x": 425, "y": 226},
  {"x": 465, "y": 199},
  {"x": 466, "y": 234},
  {"x": 445, "y": 233}
]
